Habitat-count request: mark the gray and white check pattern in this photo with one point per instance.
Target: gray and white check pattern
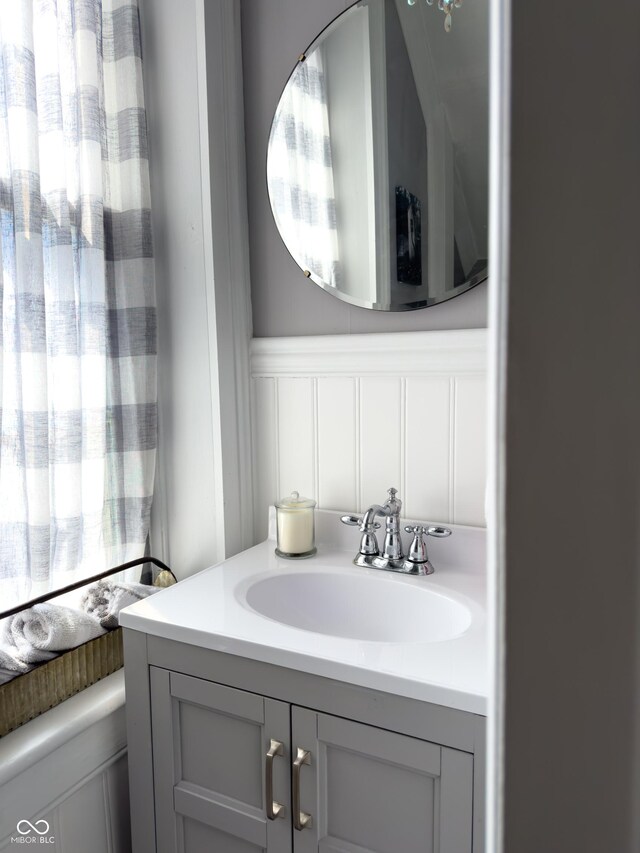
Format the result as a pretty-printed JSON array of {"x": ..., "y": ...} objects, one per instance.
[
  {"x": 77, "y": 304},
  {"x": 300, "y": 171}
]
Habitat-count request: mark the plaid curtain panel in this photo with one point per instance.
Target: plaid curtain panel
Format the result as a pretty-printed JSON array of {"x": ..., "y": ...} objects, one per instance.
[
  {"x": 77, "y": 306},
  {"x": 300, "y": 172}
]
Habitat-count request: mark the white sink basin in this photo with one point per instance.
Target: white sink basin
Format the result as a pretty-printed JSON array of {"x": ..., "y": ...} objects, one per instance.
[{"x": 359, "y": 607}]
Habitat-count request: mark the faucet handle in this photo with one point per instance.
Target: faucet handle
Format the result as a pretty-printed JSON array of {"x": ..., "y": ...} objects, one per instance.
[
  {"x": 354, "y": 521},
  {"x": 439, "y": 532},
  {"x": 418, "y": 550},
  {"x": 421, "y": 530},
  {"x": 418, "y": 559},
  {"x": 368, "y": 542}
]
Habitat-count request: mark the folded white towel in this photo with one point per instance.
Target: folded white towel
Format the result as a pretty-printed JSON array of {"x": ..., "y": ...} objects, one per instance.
[
  {"x": 38, "y": 634},
  {"x": 105, "y": 599},
  {"x": 10, "y": 666}
]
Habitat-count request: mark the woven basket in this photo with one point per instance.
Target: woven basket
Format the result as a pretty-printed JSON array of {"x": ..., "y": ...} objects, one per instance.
[{"x": 29, "y": 695}]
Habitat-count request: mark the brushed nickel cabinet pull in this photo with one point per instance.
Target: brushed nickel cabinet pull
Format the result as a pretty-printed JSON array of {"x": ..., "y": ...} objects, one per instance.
[
  {"x": 274, "y": 809},
  {"x": 301, "y": 820}
]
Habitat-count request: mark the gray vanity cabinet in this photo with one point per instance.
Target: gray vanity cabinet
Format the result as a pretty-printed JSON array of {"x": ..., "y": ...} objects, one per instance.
[
  {"x": 352, "y": 770},
  {"x": 344, "y": 787}
]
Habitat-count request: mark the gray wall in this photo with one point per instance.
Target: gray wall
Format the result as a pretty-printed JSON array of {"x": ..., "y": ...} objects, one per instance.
[
  {"x": 572, "y": 449},
  {"x": 274, "y": 33}
]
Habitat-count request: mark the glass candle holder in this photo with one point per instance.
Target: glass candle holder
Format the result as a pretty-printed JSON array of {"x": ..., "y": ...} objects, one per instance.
[{"x": 295, "y": 524}]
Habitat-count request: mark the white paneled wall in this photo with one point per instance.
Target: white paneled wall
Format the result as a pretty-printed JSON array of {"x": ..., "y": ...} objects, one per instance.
[
  {"x": 342, "y": 417},
  {"x": 68, "y": 767},
  {"x": 95, "y": 815}
]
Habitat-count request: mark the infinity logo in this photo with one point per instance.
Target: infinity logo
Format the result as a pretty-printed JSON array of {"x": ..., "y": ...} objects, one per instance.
[{"x": 33, "y": 827}]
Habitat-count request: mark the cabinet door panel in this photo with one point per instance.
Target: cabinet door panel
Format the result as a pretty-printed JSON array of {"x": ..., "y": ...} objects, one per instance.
[
  {"x": 374, "y": 791},
  {"x": 380, "y": 806},
  {"x": 209, "y": 744},
  {"x": 198, "y": 836},
  {"x": 215, "y": 751}
]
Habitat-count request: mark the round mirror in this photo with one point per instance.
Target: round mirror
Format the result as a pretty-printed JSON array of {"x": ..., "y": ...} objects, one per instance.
[{"x": 377, "y": 164}]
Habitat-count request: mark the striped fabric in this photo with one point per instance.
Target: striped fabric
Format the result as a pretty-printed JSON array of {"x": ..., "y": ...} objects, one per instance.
[
  {"x": 77, "y": 306},
  {"x": 300, "y": 172}
]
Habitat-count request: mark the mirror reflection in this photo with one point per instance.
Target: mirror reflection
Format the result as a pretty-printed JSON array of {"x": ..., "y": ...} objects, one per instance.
[{"x": 377, "y": 164}]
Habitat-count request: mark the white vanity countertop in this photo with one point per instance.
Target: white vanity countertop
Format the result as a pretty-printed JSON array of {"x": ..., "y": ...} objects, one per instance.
[{"x": 209, "y": 610}]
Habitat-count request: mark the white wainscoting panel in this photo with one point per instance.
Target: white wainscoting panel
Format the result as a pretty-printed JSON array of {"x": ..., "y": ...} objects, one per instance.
[
  {"x": 380, "y": 458},
  {"x": 69, "y": 768},
  {"x": 469, "y": 457},
  {"x": 337, "y": 441},
  {"x": 296, "y": 430},
  {"x": 429, "y": 448},
  {"x": 342, "y": 417}
]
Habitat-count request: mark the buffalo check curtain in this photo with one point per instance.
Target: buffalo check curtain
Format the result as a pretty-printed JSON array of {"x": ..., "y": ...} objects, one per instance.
[{"x": 77, "y": 310}]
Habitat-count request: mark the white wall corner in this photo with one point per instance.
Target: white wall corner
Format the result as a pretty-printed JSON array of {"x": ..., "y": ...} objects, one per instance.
[{"x": 193, "y": 82}]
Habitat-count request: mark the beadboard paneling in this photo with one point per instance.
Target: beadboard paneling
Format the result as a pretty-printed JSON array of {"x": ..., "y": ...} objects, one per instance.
[
  {"x": 69, "y": 767},
  {"x": 428, "y": 447},
  {"x": 337, "y": 441},
  {"x": 470, "y": 442},
  {"x": 343, "y": 417},
  {"x": 380, "y": 458},
  {"x": 296, "y": 436}
]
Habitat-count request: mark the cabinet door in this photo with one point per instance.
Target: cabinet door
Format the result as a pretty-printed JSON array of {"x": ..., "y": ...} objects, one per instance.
[
  {"x": 209, "y": 756},
  {"x": 368, "y": 790}
]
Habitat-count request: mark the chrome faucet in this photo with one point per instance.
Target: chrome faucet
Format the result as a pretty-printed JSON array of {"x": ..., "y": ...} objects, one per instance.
[{"x": 392, "y": 558}]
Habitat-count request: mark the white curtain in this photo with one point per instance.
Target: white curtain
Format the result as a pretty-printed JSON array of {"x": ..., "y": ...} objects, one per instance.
[{"x": 77, "y": 309}]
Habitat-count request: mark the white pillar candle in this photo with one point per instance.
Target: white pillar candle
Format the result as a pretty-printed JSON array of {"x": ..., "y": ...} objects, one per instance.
[{"x": 295, "y": 526}]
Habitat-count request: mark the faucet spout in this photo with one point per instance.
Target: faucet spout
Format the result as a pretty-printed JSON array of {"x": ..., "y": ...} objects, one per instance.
[{"x": 371, "y": 514}]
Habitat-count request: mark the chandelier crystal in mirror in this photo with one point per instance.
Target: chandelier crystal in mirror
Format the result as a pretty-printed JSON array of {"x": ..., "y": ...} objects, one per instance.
[
  {"x": 377, "y": 163},
  {"x": 445, "y": 6}
]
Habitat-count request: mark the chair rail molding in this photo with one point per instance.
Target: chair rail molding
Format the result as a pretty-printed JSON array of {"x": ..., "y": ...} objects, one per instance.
[{"x": 459, "y": 352}]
